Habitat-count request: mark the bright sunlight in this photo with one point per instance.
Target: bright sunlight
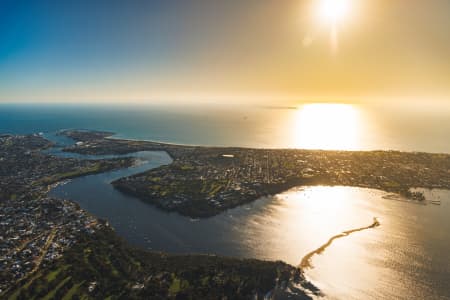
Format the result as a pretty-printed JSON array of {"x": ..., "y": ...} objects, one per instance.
[
  {"x": 334, "y": 11},
  {"x": 327, "y": 126}
]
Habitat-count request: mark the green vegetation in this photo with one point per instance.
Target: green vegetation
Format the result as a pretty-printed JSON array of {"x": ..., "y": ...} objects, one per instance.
[
  {"x": 121, "y": 272},
  {"x": 200, "y": 183},
  {"x": 15, "y": 293},
  {"x": 198, "y": 187},
  {"x": 186, "y": 167},
  {"x": 52, "y": 294},
  {"x": 52, "y": 275},
  {"x": 7, "y": 143},
  {"x": 72, "y": 291},
  {"x": 94, "y": 168},
  {"x": 95, "y": 263},
  {"x": 175, "y": 286}
]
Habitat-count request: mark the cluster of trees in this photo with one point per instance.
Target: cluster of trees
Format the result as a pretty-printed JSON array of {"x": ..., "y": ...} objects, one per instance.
[{"x": 101, "y": 266}]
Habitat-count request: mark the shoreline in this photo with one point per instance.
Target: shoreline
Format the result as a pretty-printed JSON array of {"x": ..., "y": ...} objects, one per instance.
[
  {"x": 176, "y": 144},
  {"x": 205, "y": 181},
  {"x": 306, "y": 263},
  {"x": 74, "y": 246}
]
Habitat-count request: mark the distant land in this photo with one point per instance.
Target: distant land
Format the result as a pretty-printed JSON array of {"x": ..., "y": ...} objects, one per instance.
[{"x": 205, "y": 181}]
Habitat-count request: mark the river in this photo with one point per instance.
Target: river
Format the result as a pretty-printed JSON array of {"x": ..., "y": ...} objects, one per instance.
[{"x": 406, "y": 256}]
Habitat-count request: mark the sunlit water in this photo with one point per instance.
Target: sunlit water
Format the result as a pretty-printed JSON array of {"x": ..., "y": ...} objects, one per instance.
[
  {"x": 406, "y": 257},
  {"x": 311, "y": 126}
]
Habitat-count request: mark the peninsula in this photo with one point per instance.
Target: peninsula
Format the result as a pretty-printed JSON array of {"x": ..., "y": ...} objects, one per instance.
[
  {"x": 205, "y": 181},
  {"x": 50, "y": 248}
]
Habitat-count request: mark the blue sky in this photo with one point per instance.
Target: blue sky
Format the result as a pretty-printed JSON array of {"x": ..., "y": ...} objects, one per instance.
[
  {"x": 146, "y": 50},
  {"x": 49, "y": 36}
]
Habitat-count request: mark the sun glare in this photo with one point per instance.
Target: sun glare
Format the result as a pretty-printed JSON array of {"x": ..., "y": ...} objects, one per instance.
[
  {"x": 334, "y": 11},
  {"x": 327, "y": 126}
]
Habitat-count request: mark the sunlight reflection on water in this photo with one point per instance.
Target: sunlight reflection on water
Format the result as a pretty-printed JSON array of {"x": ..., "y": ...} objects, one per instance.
[
  {"x": 403, "y": 258},
  {"x": 327, "y": 126}
]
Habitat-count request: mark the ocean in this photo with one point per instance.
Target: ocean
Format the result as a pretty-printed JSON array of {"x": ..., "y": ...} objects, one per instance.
[{"x": 310, "y": 126}]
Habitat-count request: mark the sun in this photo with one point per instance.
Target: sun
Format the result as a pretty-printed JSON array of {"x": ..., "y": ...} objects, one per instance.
[{"x": 334, "y": 11}]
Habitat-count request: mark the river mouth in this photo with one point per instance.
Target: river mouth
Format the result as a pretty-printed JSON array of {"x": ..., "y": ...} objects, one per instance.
[{"x": 410, "y": 244}]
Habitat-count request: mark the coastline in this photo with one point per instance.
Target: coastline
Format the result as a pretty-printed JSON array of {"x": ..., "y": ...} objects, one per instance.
[
  {"x": 75, "y": 254},
  {"x": 205, "y": 181},
  {"x": 212, "y": 157}
]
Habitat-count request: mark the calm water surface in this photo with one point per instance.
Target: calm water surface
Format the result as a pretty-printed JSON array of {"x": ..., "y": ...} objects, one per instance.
[
  {"x": 311, "y": 126},
  {"x": 406, "y": 257}
]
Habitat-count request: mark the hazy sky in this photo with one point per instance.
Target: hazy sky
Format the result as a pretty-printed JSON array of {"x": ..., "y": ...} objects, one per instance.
[{"x": 260, "y": 50}]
